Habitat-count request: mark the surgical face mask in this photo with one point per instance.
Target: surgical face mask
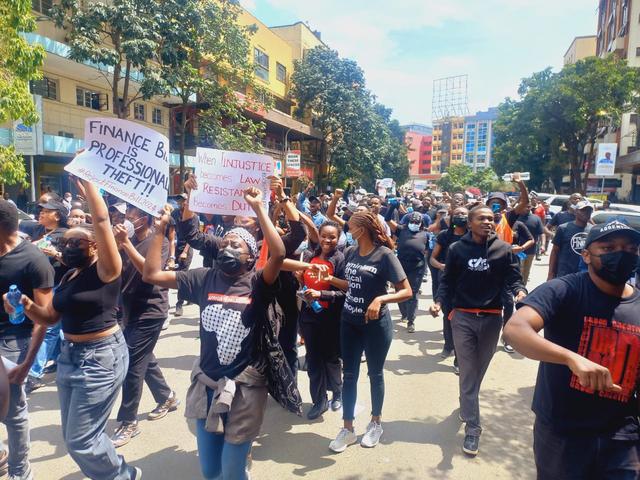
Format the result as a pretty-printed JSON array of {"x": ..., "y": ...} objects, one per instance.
[
  {"x": 460, "y": 221},
  {"x": 228, "y": 260},
  {"x": 414, "y": 227},
  {"x": 350, "y": 239},
  {"x": 616, "y": 268}
]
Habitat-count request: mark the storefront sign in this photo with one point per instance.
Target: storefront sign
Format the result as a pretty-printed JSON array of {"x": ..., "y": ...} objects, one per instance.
[
  {"x": 606, "y": 159},
  {"x": 223, "y": 177},
  {"x": 127, "y": 160},
  {"x": 293, "y": 164},
  {"x": 29, "y": 139}
]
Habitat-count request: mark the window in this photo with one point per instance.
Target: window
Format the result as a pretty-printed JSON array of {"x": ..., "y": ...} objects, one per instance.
[
  {"x": 281, "y": 72},
  {"x": 637, "y": 51},
  {"x": 138, "y": 111},
  {"x": 42, "y": 6},
  {"x": 89, "y": 99},
  {"x": 46, "y": 87},
  {"x": 261, "y": 60},
  {"x": 156, "y": 116}
]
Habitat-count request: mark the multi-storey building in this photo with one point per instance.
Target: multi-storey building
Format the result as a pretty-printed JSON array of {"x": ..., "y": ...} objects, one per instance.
[
  {"x": 448, "y": 142},
  {"x": 619, "y": 34},
  {"x": 419, "y": 141},
  {"x": 580, "y": 48},
  {"x": 478, "y": 138}
]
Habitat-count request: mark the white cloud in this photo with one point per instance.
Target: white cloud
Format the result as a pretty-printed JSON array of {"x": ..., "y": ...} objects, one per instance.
[{"x": 510, "y": 37}]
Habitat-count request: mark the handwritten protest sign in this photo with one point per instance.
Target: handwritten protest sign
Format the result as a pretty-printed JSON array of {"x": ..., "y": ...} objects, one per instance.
[
  {"x": 222, "y": 178},
  {"x": 127, "y": 160}
]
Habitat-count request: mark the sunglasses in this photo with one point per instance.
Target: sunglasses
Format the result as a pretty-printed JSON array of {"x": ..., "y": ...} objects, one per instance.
[{"x": 74, "y": 242}]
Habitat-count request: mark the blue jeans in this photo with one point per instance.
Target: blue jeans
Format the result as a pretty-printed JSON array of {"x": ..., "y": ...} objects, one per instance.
[
  {"x": 89, "y": 379},
  {"x": 220, "y": 460},
  {"x": 374, "y": 338},
  {"x": 17, "y": 419},
  {"x": 49, "y": 350}
]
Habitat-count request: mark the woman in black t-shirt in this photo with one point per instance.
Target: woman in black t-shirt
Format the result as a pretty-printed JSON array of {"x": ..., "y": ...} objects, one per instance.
[
  {"x": 366, "y": 322},
  {"x": 234, "y": 298},
  {"x": 94, "y": 357}
]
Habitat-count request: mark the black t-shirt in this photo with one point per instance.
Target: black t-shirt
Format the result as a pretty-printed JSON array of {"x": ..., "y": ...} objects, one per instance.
[
  {"x": 561, "y": 218},
  {"x": 411, "y": 247},
  {"x": 521, "y": 234},
  {"x": 368, "y": 277},
  {"x": 606, "y": 330},
  {"x": 570, "y": 239},
  {"x": 29, "y": 269},
  {"x": 181, "y": 241},
  {"x": 445, "y": 239},
  {"x": 59, "y": 268},
  {"x": 141, "y": 300},
  {"x": 229, "y": 310},
  {"x": 535, "y": 227}
]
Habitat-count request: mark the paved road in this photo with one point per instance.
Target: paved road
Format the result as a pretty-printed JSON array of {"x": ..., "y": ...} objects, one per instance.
[{"x": 422, "y": 435}]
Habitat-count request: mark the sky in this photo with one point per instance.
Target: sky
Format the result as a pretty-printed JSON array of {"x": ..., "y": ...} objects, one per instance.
[{"x": 403, "y": 45}]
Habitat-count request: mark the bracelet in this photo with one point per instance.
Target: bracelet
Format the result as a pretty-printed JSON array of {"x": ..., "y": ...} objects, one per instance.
[
  {"x": 285, "y": 199},
  {"x": 172, "y": 257}
]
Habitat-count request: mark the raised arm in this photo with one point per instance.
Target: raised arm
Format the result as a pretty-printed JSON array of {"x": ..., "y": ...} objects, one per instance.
[
  {"x": 331, "y": 210},
  {"x": 523, "y": 202},
  {"x": 437, "y": 250},
  {"x": 152, "y": 271},
  {"x": 109, "y": 260},
  {"x": 389, "y": 215}
]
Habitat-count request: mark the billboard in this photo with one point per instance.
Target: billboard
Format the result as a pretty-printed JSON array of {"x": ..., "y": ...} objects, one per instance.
[{"x": 606, "y": 159}]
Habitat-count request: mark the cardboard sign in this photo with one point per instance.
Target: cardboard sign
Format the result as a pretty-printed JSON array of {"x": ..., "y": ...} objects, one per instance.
[
  {"x": 606, "y": 159},
  {"x": 127, "y": 160},
  {"x": 223, "y": 177}
]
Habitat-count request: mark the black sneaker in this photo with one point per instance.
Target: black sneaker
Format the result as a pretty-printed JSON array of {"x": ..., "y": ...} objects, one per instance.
[
  {"x": 471, "y": 444},
  {"x": 124, "y": 433},
  {"x": 336, "y": 402},
  {"x": 169, "y": 405},
  {"x": 32, "y": 384},
  {"x": 317, "y": 410},
  {"x": 445, "y": 353},
  {"x": 178, "y": 312}
]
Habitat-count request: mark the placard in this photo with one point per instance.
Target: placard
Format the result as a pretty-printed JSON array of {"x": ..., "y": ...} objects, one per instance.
[
  {"x": 223, "y": 177},
  {"x": 127, "y": 160},
  {"x": 293, "y": 163},
  {"x": 606, "y": 159}
]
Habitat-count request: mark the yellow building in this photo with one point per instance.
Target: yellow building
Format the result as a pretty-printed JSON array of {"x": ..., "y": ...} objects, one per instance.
[
  {"x": 448, "y": 144},
  {"x": 581, "y": 48}
]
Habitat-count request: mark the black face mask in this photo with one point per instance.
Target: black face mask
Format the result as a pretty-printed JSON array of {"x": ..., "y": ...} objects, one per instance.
[
  {"x": 616, "y": 267},
  {"x": 228, "y": 260},
  {"x": 75, "y": 257},
  {"x": 460, "y": 221}
]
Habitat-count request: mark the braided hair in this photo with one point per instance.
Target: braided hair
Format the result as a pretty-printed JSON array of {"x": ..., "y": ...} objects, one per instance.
[{"x": 371, "y": 224}]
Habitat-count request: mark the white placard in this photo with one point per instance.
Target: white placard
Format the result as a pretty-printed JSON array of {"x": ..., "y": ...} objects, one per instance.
[
  {"x": 222, "y": 178},
  {"x": 293, "y": 163},
  {"x": 127, "y": 160},
  {"x": 606, "y": 159}
]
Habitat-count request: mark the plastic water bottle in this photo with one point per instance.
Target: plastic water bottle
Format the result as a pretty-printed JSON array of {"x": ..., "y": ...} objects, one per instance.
[
  {"x": 522, "y": 256},
  {"x": 525, "y": 176},
  {"x": 315, "y": 305},
  {"x": 45, "y": 242},
  {"x": 13, "y": 297}
]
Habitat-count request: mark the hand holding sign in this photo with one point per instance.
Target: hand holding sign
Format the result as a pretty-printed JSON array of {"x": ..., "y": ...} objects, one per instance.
[{"x": 191, "y": 183}]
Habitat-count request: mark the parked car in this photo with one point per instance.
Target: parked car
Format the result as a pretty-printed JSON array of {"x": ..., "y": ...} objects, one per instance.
[
  {"x": 625, "y": 207},
  {"x": 557, "y": 201},
  {"x": 604, "y": 216}
]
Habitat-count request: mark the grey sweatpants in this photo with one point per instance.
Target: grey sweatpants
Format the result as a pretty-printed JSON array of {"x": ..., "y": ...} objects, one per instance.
[{"x": 475, "y": 338}]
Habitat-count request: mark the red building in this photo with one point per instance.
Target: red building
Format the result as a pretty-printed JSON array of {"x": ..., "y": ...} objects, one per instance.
[{"x": 419, "y": 139}]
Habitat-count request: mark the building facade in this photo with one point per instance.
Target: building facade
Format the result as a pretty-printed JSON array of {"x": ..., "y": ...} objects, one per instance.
[
  {"x": 581, "y": 48},
  {"x": 419, "y": 141},
  {"x": 478, "y": 138},
  {"x": 448, "y": 143}
]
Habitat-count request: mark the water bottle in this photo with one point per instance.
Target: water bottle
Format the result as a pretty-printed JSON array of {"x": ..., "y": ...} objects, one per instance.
[
  {"x": 525, "y": 176},
  {"x": 13, "y": 297},
  {"x": 315, "y": 305},
  {"x": 522, "y": 256},
  {"x": 45, "y": 242}
]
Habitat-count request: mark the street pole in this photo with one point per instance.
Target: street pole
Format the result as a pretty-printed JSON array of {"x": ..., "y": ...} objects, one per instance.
[
  {"x": 33, "y": 179},
  {"x": 602, "y": 187}
]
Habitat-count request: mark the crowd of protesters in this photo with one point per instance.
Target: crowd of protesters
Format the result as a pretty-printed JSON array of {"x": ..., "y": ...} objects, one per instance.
[{"x": 319, "y": 269}]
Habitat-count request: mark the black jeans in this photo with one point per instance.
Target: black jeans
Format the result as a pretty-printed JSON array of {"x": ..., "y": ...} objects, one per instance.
[
  {"x": 322, "y": 342},
  {"x": 409, "y": 307},
  {"x": 583, "y": 457},
  {"x": 183, "y": 265},
  {"x": 141, "y": 337}
]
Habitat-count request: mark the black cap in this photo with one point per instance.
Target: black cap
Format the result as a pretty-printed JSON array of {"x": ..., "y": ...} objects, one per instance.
[
  {"x": 313, "y": 199},
  {"x": 598, "y": 232},
  {"x": 498, "y": 196},
  {"x": 54, "y": 205}
]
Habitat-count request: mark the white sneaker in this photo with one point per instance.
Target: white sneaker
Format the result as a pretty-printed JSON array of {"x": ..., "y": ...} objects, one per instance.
[
  {"x": 345, "y": 438},
  {"x": 372, "y": 436}
]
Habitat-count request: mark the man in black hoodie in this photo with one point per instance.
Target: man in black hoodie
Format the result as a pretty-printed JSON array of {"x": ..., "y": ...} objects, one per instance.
[{"x": 479, "y": 268}]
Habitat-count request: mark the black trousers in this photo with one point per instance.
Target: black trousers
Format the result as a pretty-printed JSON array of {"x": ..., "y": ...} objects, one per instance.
[
  {"x": 322, "y": 342},
  {"x": 288, "y": 334},
  {"x": 183, "y": 265},
  {"x": 141, "y": 338}
]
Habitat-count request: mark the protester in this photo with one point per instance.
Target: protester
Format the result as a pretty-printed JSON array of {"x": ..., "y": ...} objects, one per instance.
[
  {"x": 366, "y": 321},
  {"x": 321, "y": 329},
  {"x": 585, "y": 397},
  {"x": 23, "y": 265},
  {"x": 534, "y": 225},
  {"x": 234, "y": 298},
  {"x": 145, "y": 309},
  {"x": 311, "y": 205},
  {"x": 568, "y": 242},
  {"x": 94, "y": 359},
  {"x": 180, "y": 252},
  {"x": 77, "y": 216},
  {"x": 478, "y": 269}
]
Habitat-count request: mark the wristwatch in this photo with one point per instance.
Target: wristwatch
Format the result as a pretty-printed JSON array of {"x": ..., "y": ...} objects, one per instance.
[{"x": 285, "y": 199}]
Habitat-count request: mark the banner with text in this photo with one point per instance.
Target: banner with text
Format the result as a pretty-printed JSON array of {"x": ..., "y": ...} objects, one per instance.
[
  {"x": 293, "y": 163},
  {"x": 127, "y": 160},
  {"x": 606, "y": 159},
  {"x": 222, "y": 178}
]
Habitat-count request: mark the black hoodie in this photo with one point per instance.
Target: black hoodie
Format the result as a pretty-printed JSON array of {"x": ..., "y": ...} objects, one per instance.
[{"x": 476, "y": 274}]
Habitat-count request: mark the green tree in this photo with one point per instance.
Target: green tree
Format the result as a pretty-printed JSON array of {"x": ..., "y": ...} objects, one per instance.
[
  {"x": 19, "y": 63},
  {"x": 456, "y": 178}
]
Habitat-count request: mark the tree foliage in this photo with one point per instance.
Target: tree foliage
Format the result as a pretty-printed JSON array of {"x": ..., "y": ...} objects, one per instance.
[
  {"x": 363, "y": 142},
  {"x": 19, "y": 63},
  {"x": 559, "y": 114},
  {"x": 460, "y": 177}
]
